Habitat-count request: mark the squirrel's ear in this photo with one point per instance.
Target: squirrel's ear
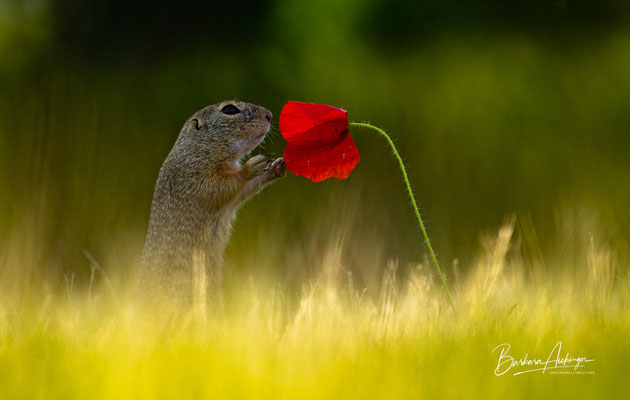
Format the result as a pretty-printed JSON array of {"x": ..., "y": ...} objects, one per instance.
[{"x": 195, "y": 124}]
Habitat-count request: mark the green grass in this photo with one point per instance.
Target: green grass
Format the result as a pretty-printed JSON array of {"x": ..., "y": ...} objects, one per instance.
[{"x": 399, "y": 339}]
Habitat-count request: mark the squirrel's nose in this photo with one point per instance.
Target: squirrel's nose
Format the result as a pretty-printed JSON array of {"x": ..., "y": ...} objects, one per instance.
[{"x": 268, "y": 115}]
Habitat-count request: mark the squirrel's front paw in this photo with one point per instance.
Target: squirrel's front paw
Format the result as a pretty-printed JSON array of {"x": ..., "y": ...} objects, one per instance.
[
  {"x": 256, "y": 165},
  {"x": 276, "y": 169}
]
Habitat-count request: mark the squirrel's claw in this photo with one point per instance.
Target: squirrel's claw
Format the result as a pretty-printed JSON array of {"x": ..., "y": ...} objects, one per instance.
[
  {"x": 259, "y": 164},
  {"x": 277, "y": 169},
  {"x": 256, "y": 165}
]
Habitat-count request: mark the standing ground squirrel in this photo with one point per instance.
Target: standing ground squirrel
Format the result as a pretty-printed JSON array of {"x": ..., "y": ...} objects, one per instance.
[{"x": 200, "y": 186}]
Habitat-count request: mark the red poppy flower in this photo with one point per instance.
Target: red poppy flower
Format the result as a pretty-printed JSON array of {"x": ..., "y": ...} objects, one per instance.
[{"x": 320, "y": 146}]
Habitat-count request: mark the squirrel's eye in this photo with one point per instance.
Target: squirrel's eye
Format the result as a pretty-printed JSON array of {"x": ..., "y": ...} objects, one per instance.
[{"x": 230, "y": 109}]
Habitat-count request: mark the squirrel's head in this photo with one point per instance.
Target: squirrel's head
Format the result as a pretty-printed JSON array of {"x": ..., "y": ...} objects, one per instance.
[{"x": 226, "y": 131}]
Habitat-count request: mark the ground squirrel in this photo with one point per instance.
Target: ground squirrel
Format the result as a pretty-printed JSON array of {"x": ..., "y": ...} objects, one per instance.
[{"x": 200, "y": 186}]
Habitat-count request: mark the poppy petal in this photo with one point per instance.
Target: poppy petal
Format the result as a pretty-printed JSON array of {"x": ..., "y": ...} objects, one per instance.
[
  {"x": 297, "y": 118},
  {"x": 319, "y": 161}
]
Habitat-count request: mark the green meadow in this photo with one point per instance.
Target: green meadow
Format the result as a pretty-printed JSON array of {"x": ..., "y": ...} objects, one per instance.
[{"x": 515, "y": 135}]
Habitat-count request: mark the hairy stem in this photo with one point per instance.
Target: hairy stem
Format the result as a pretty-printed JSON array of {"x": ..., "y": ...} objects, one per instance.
[{"x": 414, "y": 204}]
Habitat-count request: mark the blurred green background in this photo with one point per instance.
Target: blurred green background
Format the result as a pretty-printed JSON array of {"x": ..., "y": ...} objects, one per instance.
[{"x": 497, "y": 107}]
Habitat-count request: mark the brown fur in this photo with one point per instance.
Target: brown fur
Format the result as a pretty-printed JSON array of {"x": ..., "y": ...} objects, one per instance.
[{"x": 200, "y": 186}]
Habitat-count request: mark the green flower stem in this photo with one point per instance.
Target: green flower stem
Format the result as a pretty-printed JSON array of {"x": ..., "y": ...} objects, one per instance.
[{"x": 414, "y": 204}]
